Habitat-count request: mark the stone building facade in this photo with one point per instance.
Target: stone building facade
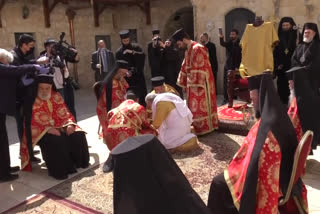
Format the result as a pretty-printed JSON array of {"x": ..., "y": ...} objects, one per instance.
[{"x": 196, "y": 15}]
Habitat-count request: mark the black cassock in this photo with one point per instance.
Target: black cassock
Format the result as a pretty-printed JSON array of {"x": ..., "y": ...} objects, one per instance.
[
  {"x": 64, "y": 154},
  {"x": 148, "y": 181},
  {"x": 154, "y": 57},
  {"x": 306, "y": 87},
  {"x": 136, "y": 61},
  {"x": 171, "y": 65}
]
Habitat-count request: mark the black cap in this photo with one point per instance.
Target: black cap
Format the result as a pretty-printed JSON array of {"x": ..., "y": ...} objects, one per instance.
[
  {"x": 49, "y": 41},
  {"x": 124, "y": 34},
  {"x": 155, "y": 31},
  {"x": 122, "y": 64},
  {"x": 157, "y": 81},
  {"x": 179, "y": 35},
  {"x": 45, "y": 78}
]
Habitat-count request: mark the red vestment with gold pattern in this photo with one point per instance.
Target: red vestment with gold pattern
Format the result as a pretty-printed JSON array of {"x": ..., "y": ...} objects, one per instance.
[
  {"x": 127, "y": 120},
  {"x": 197, "y": 78},
  {"x": 268, "y": 186},
  {"x": 46, "y": 114},
  {"x": 119, "y": 90}
]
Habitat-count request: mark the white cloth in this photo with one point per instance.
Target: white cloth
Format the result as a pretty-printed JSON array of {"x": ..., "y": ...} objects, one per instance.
[{"x": 175, "y": 130}]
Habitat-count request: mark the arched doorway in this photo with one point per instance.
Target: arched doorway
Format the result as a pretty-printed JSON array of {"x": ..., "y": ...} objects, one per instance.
[
  {"x": 238, "y": 18},
  {"x": 182, "y": 18}
]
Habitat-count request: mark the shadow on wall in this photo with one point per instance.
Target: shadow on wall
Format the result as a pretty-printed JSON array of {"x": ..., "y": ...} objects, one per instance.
[{"x": 182, "y": 18}]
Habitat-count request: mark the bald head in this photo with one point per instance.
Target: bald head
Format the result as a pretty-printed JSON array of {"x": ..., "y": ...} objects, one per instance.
[{"x": 101, "y": 44}]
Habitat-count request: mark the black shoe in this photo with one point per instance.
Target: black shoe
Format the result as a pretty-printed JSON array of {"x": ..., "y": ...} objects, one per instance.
[
  {"x": 64, "y": 177},
  {"x": 9, "y": 177},
  {"x": 35, "y": 159},
  {"x": 108, "y": 165},
  {"x": 14, "y": 169}
]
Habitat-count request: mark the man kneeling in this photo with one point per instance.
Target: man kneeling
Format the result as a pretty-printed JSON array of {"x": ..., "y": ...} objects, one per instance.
[
  {"x": 172, "y": 117},
  {"x": 63, "y": 144}
]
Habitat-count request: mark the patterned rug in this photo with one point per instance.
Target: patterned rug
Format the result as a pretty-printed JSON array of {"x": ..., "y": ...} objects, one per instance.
[
  {"x": 92, "y": 191},
  {"x": 239, "y": 112}
]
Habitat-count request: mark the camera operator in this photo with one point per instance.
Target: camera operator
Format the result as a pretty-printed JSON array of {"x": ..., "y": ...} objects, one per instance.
[
  {"x": 57, "y": 56},
  {"x": 155, "y": 49},
  {"x": 52, "y": 60}
]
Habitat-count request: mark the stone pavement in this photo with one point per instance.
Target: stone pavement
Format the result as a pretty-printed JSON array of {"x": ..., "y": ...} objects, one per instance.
[{"x": 31, "y": 184}]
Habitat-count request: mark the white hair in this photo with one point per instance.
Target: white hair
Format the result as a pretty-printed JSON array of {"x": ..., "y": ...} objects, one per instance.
[
  {"x": 4, "y": 54},
  {"x": 150, "y": 97}
]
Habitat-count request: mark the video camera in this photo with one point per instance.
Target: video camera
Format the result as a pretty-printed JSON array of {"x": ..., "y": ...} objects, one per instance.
[{"x": 65, "y": 50}]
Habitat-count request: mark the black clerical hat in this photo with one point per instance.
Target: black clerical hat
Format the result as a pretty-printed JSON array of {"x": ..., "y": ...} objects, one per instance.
[
  {"x": 155, "y": 31},
  {"x": 157, "y": 81},
  {"x": 122, "y": 64},
  {"x": 312, "y": 26},
  {"x": 179, "y": 35},
  {"x": 148, "y": 181},
  {"x": 124, "y": 34},
  {"x": 45, "y": 78}
]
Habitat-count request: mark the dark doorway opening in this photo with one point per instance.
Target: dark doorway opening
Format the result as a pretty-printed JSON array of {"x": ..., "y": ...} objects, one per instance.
[
  {"x": 238, "y": 18},
  {"x": 182, "y": 18}
]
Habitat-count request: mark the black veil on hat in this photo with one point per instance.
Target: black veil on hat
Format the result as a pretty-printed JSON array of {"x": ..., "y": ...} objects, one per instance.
[
  {"x": 289, "y": 20},
  {"x": 148, "y": 181},
  {"x": 274, "y": 118},
  {"x": 107, "y": 81}
]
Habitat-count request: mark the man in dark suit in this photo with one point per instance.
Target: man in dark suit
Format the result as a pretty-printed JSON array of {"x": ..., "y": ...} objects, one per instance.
[
  {"x": 155, "y": 52},
  {"x": 9, "y": 77},
  {"x": 204, "y": 40},
  {"x": 102, "y": 61}
]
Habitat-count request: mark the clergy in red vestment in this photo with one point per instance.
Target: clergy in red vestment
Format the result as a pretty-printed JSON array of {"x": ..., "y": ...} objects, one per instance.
[
  {"x": 127, "y": 120},
  {"x": 62, "y": 142},
  {"x": 259, "y": 174},
  {"x": 114, "y": 88},
  {"x": 197, "y": 80}
]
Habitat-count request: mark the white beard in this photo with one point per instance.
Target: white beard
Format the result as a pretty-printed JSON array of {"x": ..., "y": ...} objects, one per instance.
[
  {"x": 42, "y": 97},
  {"x": 307, "y": 40}
]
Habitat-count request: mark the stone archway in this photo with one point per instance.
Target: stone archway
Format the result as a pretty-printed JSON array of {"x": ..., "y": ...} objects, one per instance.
[
  {"x": 182, "y": 18},
  {"x": 238, "y": 18}
]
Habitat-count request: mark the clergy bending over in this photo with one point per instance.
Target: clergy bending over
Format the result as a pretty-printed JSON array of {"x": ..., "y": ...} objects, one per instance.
[
  {"x": 127, "y": 120},
  {"x": 173, "y": 119},
  {"x": 259, "y": 174},
  {"x": 197, "y": 80},
  {"x": 114, "y": 88},
  {"x": 304, "y": 84},
  {"x": 62, "y": 142}
]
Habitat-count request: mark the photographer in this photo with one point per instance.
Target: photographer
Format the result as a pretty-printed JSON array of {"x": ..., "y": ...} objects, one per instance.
[
  {"x": 57, "y": 56},
  {"x": 52, "y": 60},
  {"x": 155, "y": 50}
]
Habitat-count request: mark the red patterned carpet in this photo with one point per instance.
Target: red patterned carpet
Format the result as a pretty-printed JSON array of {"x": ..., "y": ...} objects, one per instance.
[{"x": 239, "y": 112}]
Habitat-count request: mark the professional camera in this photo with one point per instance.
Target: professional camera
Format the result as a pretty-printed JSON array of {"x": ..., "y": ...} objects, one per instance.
[
  {"x": 64, "y": 50},
  {"x": 156, "y": 40}
]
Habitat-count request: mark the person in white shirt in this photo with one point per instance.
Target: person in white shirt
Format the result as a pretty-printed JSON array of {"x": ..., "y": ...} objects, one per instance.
[{"x": 173, "y": 119}]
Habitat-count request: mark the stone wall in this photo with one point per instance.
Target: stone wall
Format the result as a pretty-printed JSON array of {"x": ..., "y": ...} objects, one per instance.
[
  {"x": 112, "y": 20},
  {"x": 209, "y": 15}
]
